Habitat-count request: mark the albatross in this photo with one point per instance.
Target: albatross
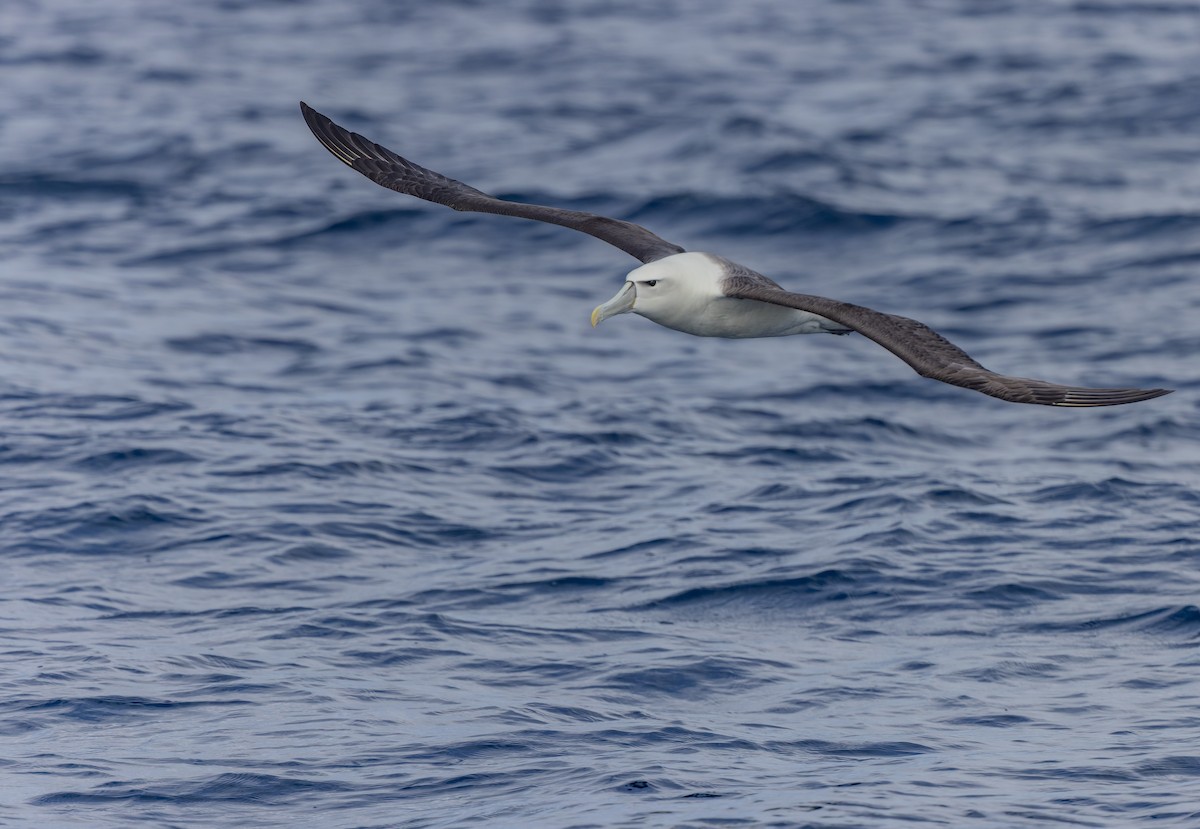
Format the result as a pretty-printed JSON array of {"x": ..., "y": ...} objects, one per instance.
[{"x": 710, "y": 296}]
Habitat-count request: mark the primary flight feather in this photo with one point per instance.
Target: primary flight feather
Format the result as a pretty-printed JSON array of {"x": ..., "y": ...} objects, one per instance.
[{"x": 707, "y": 295}]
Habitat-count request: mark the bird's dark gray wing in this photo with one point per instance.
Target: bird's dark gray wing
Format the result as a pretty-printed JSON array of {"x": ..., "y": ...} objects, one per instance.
[
  {"x": 931, "y": 354},
  {"x": 384, "y": 167}
]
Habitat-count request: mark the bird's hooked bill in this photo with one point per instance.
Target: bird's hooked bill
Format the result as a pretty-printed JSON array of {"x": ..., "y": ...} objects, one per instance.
[{"x": 619, "y": 304}]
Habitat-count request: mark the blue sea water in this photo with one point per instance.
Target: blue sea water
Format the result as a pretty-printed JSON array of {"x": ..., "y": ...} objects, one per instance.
[{"x": 321, "y": 506}]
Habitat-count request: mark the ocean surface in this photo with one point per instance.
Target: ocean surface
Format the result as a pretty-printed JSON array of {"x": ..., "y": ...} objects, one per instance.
[{"x": 324, "y": 506}]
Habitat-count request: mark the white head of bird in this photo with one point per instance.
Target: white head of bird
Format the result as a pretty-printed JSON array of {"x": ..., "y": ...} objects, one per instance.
[{"x": 673, "y": 291}]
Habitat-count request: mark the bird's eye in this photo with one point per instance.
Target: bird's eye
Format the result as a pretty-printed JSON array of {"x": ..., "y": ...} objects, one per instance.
[{"x": 651, "y": 282}]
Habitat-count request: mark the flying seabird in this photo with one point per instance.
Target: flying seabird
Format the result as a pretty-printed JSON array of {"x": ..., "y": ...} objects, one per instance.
[{"x": 708, "y": 295}]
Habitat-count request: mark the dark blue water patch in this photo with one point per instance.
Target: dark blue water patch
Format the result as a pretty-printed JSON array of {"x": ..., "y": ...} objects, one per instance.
[
  {"x": 332, "y": 470},
  {"x": 1010, "y": 596},
  {"x": 639, "y": 549},
  {"x": 1176, "y": 345},
  {"x": 829, "y": 696},
  {"x": 1171, "y": 766},
  {"x": 641, "y": 730},
  {"x": 332, "y": 631},
  {"x": 1117, "y": 8},
  {"x": 223, "y": 614},
  {"x": 554, "y": 589},
  {"x": 1081, "y": 773},
  {"x": 478, "y": 749},
  {"x": 775, "y": 455},
  {"x": 347, "y": 232},
  {"x": 95, "y": 407},
  {"x": 729, "y": 821},
  {"x": 37, "y": 450},
  {"x": 38, "y": 188},
  {"x": 783, "y": 492},
  {"x": 386, "y": 366},
  {"x": 798, "y": 159},
  {"x": 581, "y": 468},
  {"x": 781, "y": 213},
  {"x": 213, "y": 660},
  {"x": 313, "y": 551},
  {"x": 881, "y": 504},
  {"x": 132, "y": 515},
  {"x": 696, "y": 679},
  {"x": 1177, "y": 622},
  {"x": 79, "y": 57},
  {"x": 1012, "y": 670},
  {"x": 849, "y": 750},
  {"x": 1140, "y": 621},
  {"x": 1142, "y": 227},
  {"x": 1150, "y": 434},
  {"x": 960, "y": 496},
  {"x": 109, "y": 708},
  {"x": 984, "y": 307},
  {"x": 366, "y": 220},
  {"x": 1153, "y": 683},
  {"x": 494, "y": 430},
  {"x": 224, "y": 344},
  {"x": 416, "y": 530},
  {"x": 441, "y": 625},
  {"x": 990, "y": 720},
  {"x": 134, "y": 525},
  {"x": 126, "y": 459},
  {"x": 392, "y": 657},
  {"x": 800, "y": 594},
  {"x": 173, "y": 76},
  {"x": 220, "y": 580},
  {"x": 228, "y": 425},
  {"x": 671, "y": 788},
  {"x": 714, "y": 554},
  {"x": 1160, "y": 261},
  {"x": 549, "y": 713},
  {"x": 560, "y": 584},
  {"x": 637, "y": 786},
  {"x": 1111, "y": 490},
  {"x": 15, "y": 727},
  {"x": 509, "y": 674},
  {"x": 866, "y": 430},
  {"x": 134, "y": 168},
  {"x": 514, "y": 782},
  {"x": 231, "y": 787}
]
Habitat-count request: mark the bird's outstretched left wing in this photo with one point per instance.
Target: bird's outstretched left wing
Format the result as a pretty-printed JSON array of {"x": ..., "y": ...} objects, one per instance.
[{"x": 385, "y": 167}]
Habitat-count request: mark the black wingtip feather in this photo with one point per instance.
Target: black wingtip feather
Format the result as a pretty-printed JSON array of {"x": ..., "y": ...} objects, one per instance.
[{"x": 1080, "y": 398}]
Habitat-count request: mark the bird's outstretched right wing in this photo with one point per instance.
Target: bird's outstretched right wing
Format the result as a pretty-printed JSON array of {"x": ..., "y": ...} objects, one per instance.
[{"x": 931, "y": 354}]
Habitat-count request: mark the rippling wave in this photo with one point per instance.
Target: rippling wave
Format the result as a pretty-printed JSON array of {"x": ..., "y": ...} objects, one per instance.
[{"x": 323, "y": 505}]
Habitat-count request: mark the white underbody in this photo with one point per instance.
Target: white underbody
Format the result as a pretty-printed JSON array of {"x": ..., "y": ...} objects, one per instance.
[
  {"x": 688, "y": 297},
  {"x": 734, "y": 318}
]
